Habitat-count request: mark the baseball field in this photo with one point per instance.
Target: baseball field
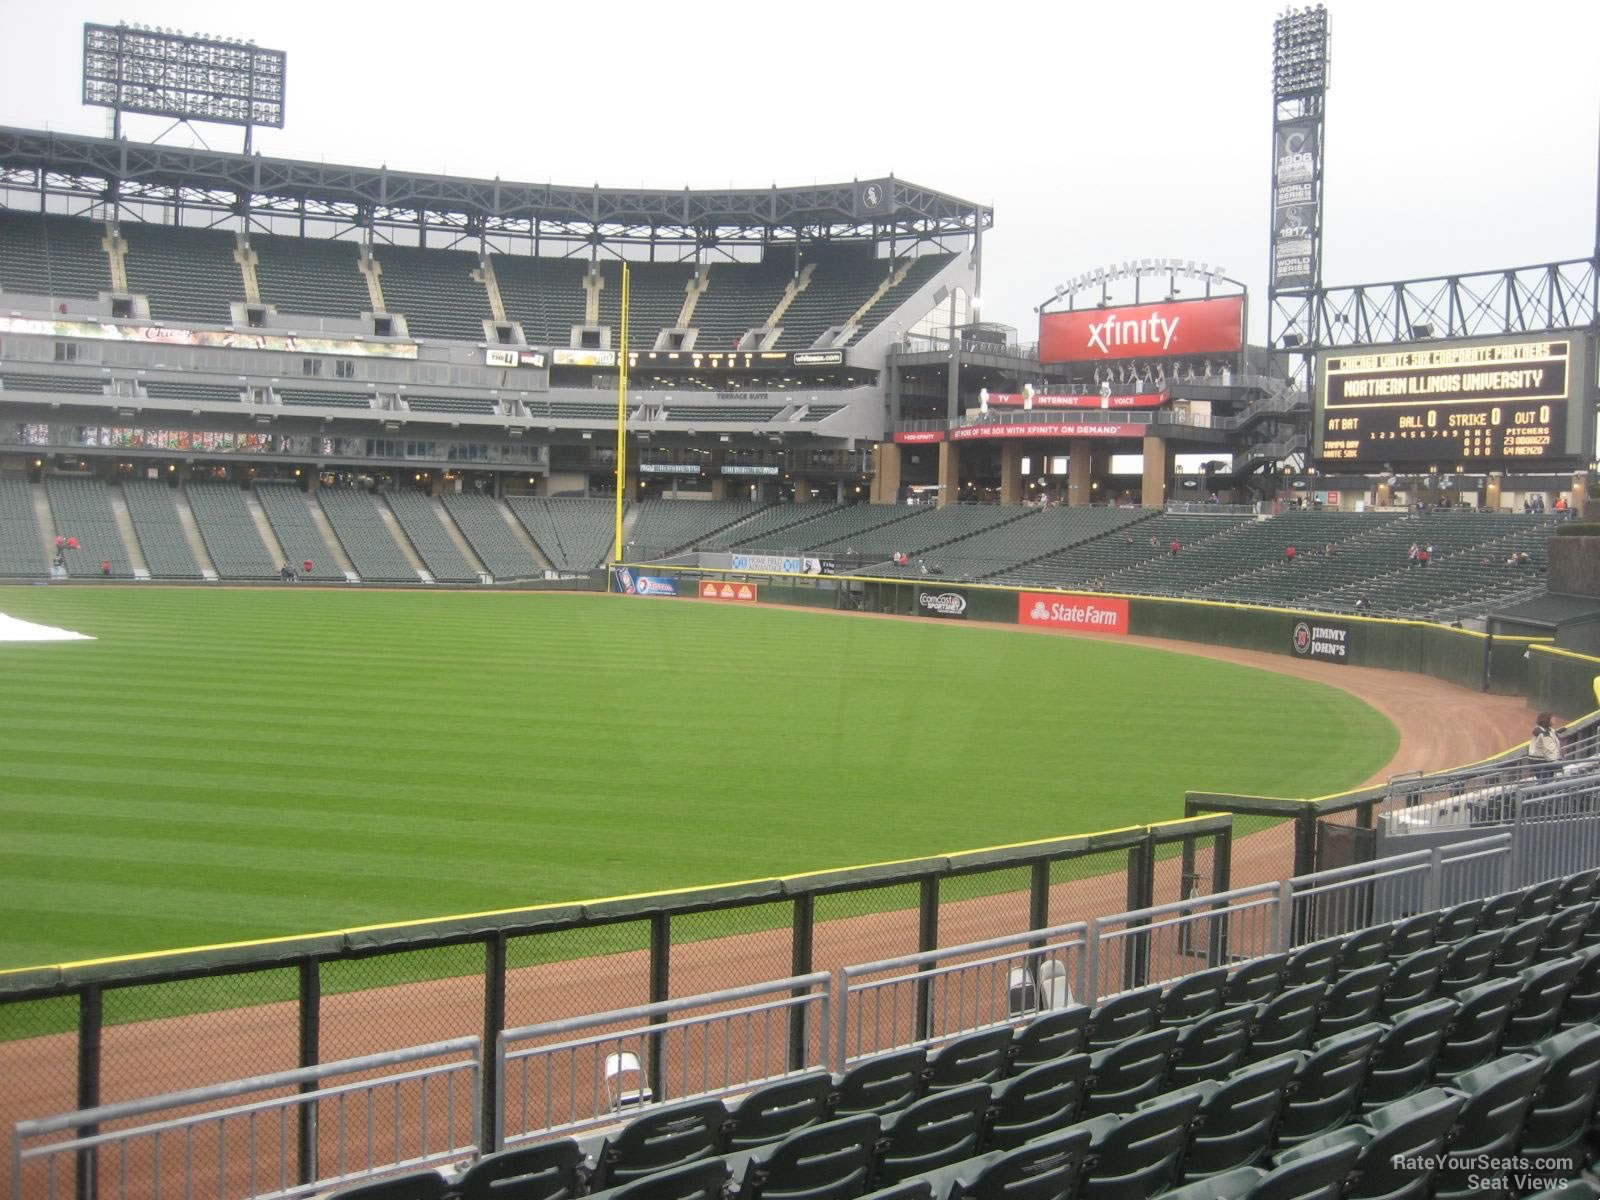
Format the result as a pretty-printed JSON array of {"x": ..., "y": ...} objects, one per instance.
[{"x": 229, "y": 764}]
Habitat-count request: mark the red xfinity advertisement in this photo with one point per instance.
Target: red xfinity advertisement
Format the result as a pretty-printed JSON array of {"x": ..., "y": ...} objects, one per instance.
[
  {"x": 1058, "y": 610},
  {"x": 1143, "y": 331}
]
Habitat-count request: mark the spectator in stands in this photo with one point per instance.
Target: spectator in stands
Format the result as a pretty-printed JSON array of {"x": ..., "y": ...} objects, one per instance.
[
  {"x": 61, "y": 557},
  {"x": 1328, "y": 550},
  {"x": 1561, "y": 504},
  {"x": 1289, "y": 553},
  {"x": 1176, "y": 546},
  {"x": 1524, "y": 559},
  {"x": 1424, "y": 555},
  {"x": 308, "y": 566},
  {"x": 1411, "y": 554},
  {"x": 1544, "y": 747},
  {"x": 1363, "y": 603},
  {"x": 105, "y": 566},
  {"x": 61, "y": 544}
]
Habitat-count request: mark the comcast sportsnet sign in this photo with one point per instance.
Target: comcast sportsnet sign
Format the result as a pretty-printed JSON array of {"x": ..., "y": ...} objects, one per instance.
[
  {"x": 1056, "y": 610},
  {"x": 1185, "y": 327}
]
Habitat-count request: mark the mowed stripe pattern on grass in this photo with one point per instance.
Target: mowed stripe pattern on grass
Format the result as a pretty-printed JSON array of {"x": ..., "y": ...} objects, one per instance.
[{"x": 227, "y": 764}]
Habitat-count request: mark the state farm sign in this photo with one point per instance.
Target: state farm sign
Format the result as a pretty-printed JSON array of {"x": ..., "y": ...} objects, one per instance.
[
  {"x": 1143, "y": 331},
  {"x": 1057, "y": 610}
]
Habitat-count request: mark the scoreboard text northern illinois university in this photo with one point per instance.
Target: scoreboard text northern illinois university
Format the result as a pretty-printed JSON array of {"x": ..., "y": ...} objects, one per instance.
[{"x": 1451, "y": 404}]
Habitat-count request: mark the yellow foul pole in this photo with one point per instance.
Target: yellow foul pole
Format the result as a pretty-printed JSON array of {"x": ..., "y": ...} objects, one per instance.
[{"x": 622, "y": 419}]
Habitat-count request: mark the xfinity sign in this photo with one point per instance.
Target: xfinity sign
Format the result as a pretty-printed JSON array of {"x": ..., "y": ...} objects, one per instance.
[
  {"x": 1154, "y": 330},
  {"x": 1171, "y": 330}
]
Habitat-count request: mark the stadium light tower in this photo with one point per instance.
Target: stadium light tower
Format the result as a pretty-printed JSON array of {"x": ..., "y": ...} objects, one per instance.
[
  {"x": 165, "y": 73},
  {"x": 1299, "y": 98}
]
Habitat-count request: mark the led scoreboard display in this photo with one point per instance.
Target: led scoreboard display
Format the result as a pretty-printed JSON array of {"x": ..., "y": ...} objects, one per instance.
[{"x": 1451, "y": 403}]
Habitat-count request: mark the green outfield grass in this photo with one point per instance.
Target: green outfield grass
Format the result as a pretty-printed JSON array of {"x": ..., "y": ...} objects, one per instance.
[{"x": 223, "y": 765}]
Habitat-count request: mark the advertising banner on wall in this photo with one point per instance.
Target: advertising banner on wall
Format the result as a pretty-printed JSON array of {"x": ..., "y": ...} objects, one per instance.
[
  {"x": 1175, "y": 328},
  {"x": 1055, "y": 610},
  {"x": 941, "y": 602},
  {"x": 629, "y": 583},
  {"x": 1325, "y": 640},
  {"x": 710, "y": 589},
  {"x": 1055, "y": 400},
  {"x": 1294, "y": 205},
  {"x": 788, "y": 564},
  {"x": 211, "y": 339}
]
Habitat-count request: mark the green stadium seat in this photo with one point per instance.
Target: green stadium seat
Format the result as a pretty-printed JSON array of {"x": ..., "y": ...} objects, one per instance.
[
  {"x": 1364, "y": 948},
  {"x": 1327, "y": 1085},
  {"x": 1538, "y": 1005},
  {"x": 934, "y": 1132},
  {"x": 415, "y": 1185},
  {"x": 1520, "y": 947},
  {"x": 1050, "y": 1035},
  {"x": 1457, "y": 922},
  {"x": 832, "y": 1161},
  {"x": 1413, "y": 934},
  {"x": 1414, "y": 981},
  {"x": 1583, "y": 1001},
  {"x": 1388, "y": 1140},
  {"x": 773, "y": 1112},
  {"x": 1403, "y": 1061},
  {"x": 1210, "y": 1047},
  {"x": 1121, "y": 1017},
  {"x": 911, "y": 1189},
  {"x": 1047, "y": 1168},
  {"x": 1564, "y": 935},
  {"x": 1539, "y": 899},
  {"x": 1255, "y": 982},
  {"x": 1469, "y": 962},
  {"x": 1123, "y": 1076},
  {"x": 1134, "y": 1157},
  {"x": 1500, "y": 912},
  {"x": 882, "y": 1084},
  {"x": 1352, "y": 999},
  {"x": 1285, "y": 1022},
  {"x": 1575, "y": 889},
  {"x": 1194, "y": 996},
  {"x": 545, "y": 1171},
  {"x": 658, "y": 1141},
  {"x": 1577, "y": 1189},
  {"x": 1237, "y": 1117},
  {"x": 703, "y": 1180},
  {"x": 976, "y": 1058},
  {"x": 1318, "y": 1176},
  {"x": 1499, "y": 1095},
  {"x": 1474, "y": 1033},
  {"x": 1559, "y": 1122},
  {"x": 1315, "y": 963},
  {"x": 1041, "y": 1099}
]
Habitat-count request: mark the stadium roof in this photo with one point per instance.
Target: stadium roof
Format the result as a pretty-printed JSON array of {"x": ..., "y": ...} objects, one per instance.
[{"x": 98, "y": 170}]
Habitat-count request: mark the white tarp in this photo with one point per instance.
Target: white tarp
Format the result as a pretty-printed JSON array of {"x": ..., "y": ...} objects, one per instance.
[{"x": 13, "y": 630}]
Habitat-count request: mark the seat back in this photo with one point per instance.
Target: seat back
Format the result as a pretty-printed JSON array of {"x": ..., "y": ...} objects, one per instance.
[
  {"x": 975, "y": 1058},
  {"x": 1122, "y": 1017},
  {"x": 1135, "y": 1156},
  {"x": 1469, "y": 961},
  {"x": 884, "y": 1083},
  {"x": 1540, "y": 899},
  {"x": 937, "y": 1130},
  {"x": 1500, "y": 912},
  {"x": 698, "y": 1181},
  {"x": 1285, "y": 1022},
  {"x": 911, "y": 1189},
  {"x": 1047, "y": 1168},
  {"x": 1211, "y": 1047},
  {"x": 1538, "y": 1005},
  {"x": 1559, "y": 1119},
  {"x": 1128, "y": 1073},
  {"x": 657, "y": 1141},
  {"x": 1237, "y": 1117},
  {"x": 1575, "y": 889},
  {"x": 1315, "y": 963},
  {"x": 832, "y": 1161},
  {"x": 1564, "y": 935},
  {"x": 1194, "y": 996},
  {"x": 1391, "y": 1142},
  {"x": 1327, "y": 1086},
  {"x": 772, "y": 1113},
  {"x": 1414, "y": 981},
  {"x": 1413, "y": 934},
  {"x": 1319, "y": 1176},
  {"x": 1050, "y": 1035},
  {"x": 546, "y": 1171},
  {"x": 1255, "y": 982},
  {"x": 1403, "y": 1061},
  {"x": 1499, "y": 1095},
  {"x": 1520, "y": 947},
  {"x": 1583, "y": 1001},
  {"x": 1352, "y": 999},
  {"x": 1474, "y": 1032},
  {"x": 1041, "y": 1099},
  {"x": 1364, "y": 947},
  {"x": 1457, "y": 921}
]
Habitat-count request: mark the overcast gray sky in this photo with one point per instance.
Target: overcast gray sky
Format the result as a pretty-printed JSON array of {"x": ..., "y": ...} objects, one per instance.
[{"x": 1460, "y": 136}]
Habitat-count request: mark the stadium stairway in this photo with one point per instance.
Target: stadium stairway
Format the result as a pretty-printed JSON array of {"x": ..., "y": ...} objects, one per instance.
[
  {"x": 191, "y": 534},
  {"x": 457, "y": 538},
  {"x": 157, "y": 529},
  {"x": 130, "y": 536},
  {"x": 44, "y": 518},
  {"x": 497, "y": 539},
  {"x": 401, "y": 538}
]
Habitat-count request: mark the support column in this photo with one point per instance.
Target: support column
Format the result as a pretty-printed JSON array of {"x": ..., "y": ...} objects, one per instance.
[
  {"x": 949, "y": 473},
  {"x": 1491, "y": 492},
  {"x": 1080, "y": 472},
  {"x": 630, "y": 478},
  {"x": 1157, "y": 472},
  {"x": 802, "y": 490},
  {"x": 1011, "y": 472},
  {"x": 886, "y": 473},
  {"x": 719, "y": 488},
  {"x": 1579, "y": 495},
  {"x": 1386, "y": 494}
]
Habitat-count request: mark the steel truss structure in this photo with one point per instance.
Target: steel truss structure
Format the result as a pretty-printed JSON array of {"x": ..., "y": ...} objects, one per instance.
[
  {"x": 114, "y": 178},
  {"x": 1536, "y": 299}
]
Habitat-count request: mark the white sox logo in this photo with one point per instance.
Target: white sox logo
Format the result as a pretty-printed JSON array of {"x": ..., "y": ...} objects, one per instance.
[
  {"x": 871, "y": 196},
  {"x": 1154, "y": 330}
]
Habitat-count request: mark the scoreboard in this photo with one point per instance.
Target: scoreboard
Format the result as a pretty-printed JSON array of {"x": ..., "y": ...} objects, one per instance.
[{"x": 1453, "y": 404}]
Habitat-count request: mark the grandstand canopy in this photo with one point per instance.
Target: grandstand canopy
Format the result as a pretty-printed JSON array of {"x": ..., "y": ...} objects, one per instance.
[{"x": 119, "y": 172}]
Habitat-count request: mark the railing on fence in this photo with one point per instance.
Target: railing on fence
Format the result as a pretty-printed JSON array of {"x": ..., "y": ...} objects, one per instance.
[
  {"x": 917, "y": 999},
  {"x": 1167, "y": 942},
  {"x": 564, "y": 1076},
  {"x": 264, "y": 1147}
]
